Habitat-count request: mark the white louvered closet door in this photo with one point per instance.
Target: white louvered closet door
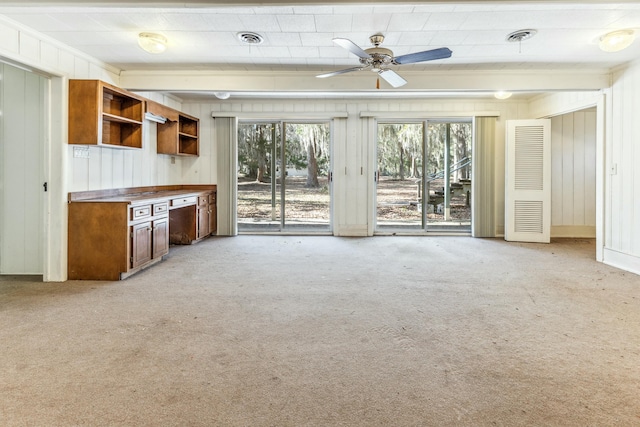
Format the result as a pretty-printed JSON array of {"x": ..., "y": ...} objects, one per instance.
[{"x": 528, "y": 181}]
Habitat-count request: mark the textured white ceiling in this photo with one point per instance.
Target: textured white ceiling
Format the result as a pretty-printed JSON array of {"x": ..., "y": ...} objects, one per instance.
[{"x": 298, "y": 37}]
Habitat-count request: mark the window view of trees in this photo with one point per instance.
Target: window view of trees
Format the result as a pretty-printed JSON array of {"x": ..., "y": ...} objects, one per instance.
[
  {"x": 404, "y": 157},
  {"x": 400, "y": 149},
  {"x": 306, "y": 149},
  {"x": 305, "y": 168}
]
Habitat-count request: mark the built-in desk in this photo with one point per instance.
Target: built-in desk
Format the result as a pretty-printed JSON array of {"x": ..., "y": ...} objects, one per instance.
[{"x": 118, "y": 232}]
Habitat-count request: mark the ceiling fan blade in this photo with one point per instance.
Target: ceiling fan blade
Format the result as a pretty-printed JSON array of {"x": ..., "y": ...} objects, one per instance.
[
  {"x": 427, "y": 55},
  {"x": 335, "y": 73},
  {"x": 351, "y": 47},
  {"x": 392, "y": 78}
]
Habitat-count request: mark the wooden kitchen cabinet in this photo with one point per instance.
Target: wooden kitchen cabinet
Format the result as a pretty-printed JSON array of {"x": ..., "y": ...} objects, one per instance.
[
  {"x": 213, "y": 214},
  {"x": 207, "y": 223},
  {"x": 179, "y": 134},
  {"x": 116, "y": 233},
  {"x": 104, "y": 115},
  {"x": 141, "y": 244}
]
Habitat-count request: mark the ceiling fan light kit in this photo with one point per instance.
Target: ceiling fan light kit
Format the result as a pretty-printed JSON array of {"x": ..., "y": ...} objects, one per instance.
[
  {"x": 152, "y": 42},
  {"x": 615, "y": 41},
  {"x": 379, "y": 59}
]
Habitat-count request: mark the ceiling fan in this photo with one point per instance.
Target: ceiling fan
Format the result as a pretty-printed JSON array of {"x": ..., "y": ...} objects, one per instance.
[{"x": 378, "y": 59}]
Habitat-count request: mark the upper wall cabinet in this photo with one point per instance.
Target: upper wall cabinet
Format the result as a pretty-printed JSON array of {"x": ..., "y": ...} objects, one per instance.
[
  {"x": 105, "y": 115},
  {"x": 178, "y": 135}
]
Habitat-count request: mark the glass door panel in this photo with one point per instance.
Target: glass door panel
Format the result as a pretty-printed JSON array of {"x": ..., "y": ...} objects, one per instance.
[
  {"x": 448, "y": 176},
  {"x": 399, "y": 176},
  {"x": 424, "y": 181},
  {"x": 259, "y": 195},
  {"x": 306, "y": 189},
  {"x": 283, "y": 179}
]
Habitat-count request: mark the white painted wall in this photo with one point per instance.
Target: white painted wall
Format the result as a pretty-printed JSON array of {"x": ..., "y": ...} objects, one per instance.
[
  {"x": 573, "y": 174},
  {"x": 354, "y": 143},
  {"x": 105, "y": 167},
  {"x": 622, "y": 201}
]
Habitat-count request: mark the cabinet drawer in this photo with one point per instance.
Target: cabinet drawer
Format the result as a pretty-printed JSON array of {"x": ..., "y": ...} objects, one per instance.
[
  {"x": 160, "y": 208},
  {"x": 183, "y": 201},
  {"x": 140, "y": 212},
  {"x": 203, "y": 200}
]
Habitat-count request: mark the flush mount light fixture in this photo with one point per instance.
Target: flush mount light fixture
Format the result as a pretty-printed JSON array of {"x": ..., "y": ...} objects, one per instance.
[
  {"x": 222, "y": 95},
  {"x": 501, "y": 94},
  {"x": 616, "y": 40},
  {"x": 152, "y": 42}
]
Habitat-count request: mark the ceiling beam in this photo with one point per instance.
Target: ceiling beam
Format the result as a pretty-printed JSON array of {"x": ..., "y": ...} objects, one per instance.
[
  {"x": 273, "y": 81},
  {"x": 231, "y": 3}
]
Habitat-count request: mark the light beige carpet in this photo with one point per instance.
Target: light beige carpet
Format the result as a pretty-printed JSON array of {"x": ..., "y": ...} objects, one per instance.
[{"x": 327, "y": 331}]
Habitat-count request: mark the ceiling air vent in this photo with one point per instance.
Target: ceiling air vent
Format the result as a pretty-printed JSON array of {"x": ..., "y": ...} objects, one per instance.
[
  {"x": 250, "y": 38},
  {"x": 521, "y": 35}
]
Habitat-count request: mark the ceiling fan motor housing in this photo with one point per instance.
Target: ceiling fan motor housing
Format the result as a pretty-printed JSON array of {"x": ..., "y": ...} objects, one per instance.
[{"x": 379, "y": 58}]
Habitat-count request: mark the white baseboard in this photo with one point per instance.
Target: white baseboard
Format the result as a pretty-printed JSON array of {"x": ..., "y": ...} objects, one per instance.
[{"x": 622, "y": 261}]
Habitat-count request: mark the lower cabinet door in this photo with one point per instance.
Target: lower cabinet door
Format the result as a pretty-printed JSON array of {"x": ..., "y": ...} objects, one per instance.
[
  {"x": 213, "y": 218},
  {"x": 203, "y": 221},
  {"x": 160, "y": 237},
  {"x": 140, "y": 244}
]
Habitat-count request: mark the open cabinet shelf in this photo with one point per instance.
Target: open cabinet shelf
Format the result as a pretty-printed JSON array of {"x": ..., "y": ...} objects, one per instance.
[
  {"x": 179, "y": 135},
  {"x": 104, "y": 115}
]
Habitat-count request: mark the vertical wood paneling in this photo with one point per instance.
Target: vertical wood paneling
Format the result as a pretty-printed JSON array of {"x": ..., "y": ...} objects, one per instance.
[
  {"x": 614, "y": 134},
  {"x": 590, "y": 118},
  {"x": 94, "y": 168},
  {"x": 579, "y": 187},
  {"x": 106, "y": 159},
  {"x": 567, "y": 169},
  {"x": 556, "y": 170},
  {"x": 622, "y": 201},
  {"x": 625, "y": 168},
  {"x": 573, "y": 161},
  {"x": 630, "y": 169}
]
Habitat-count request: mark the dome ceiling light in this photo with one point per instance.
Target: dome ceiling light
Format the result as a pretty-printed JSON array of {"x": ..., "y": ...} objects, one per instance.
[
  {"x": 615, "y": 41},
  {"x": 152, "y": 42},
  {"x": 501, "y": 94}
]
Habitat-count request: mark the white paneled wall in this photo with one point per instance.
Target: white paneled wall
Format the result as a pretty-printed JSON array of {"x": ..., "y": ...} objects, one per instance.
[
  {"x": 622, "y": 213},
  {"x": 105, "y": 167},
  {"x": 354, "y": 144},
  {"x": 573, "y": 174}
]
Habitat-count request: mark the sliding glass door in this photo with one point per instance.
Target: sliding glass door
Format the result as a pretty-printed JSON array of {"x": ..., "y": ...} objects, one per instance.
[
  {"x": 283, "y": 177},
  {"x": 423, "y": 179}
]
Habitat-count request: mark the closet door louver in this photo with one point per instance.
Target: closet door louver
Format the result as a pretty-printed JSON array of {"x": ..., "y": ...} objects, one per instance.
[{"x": 528, "y": 181}]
